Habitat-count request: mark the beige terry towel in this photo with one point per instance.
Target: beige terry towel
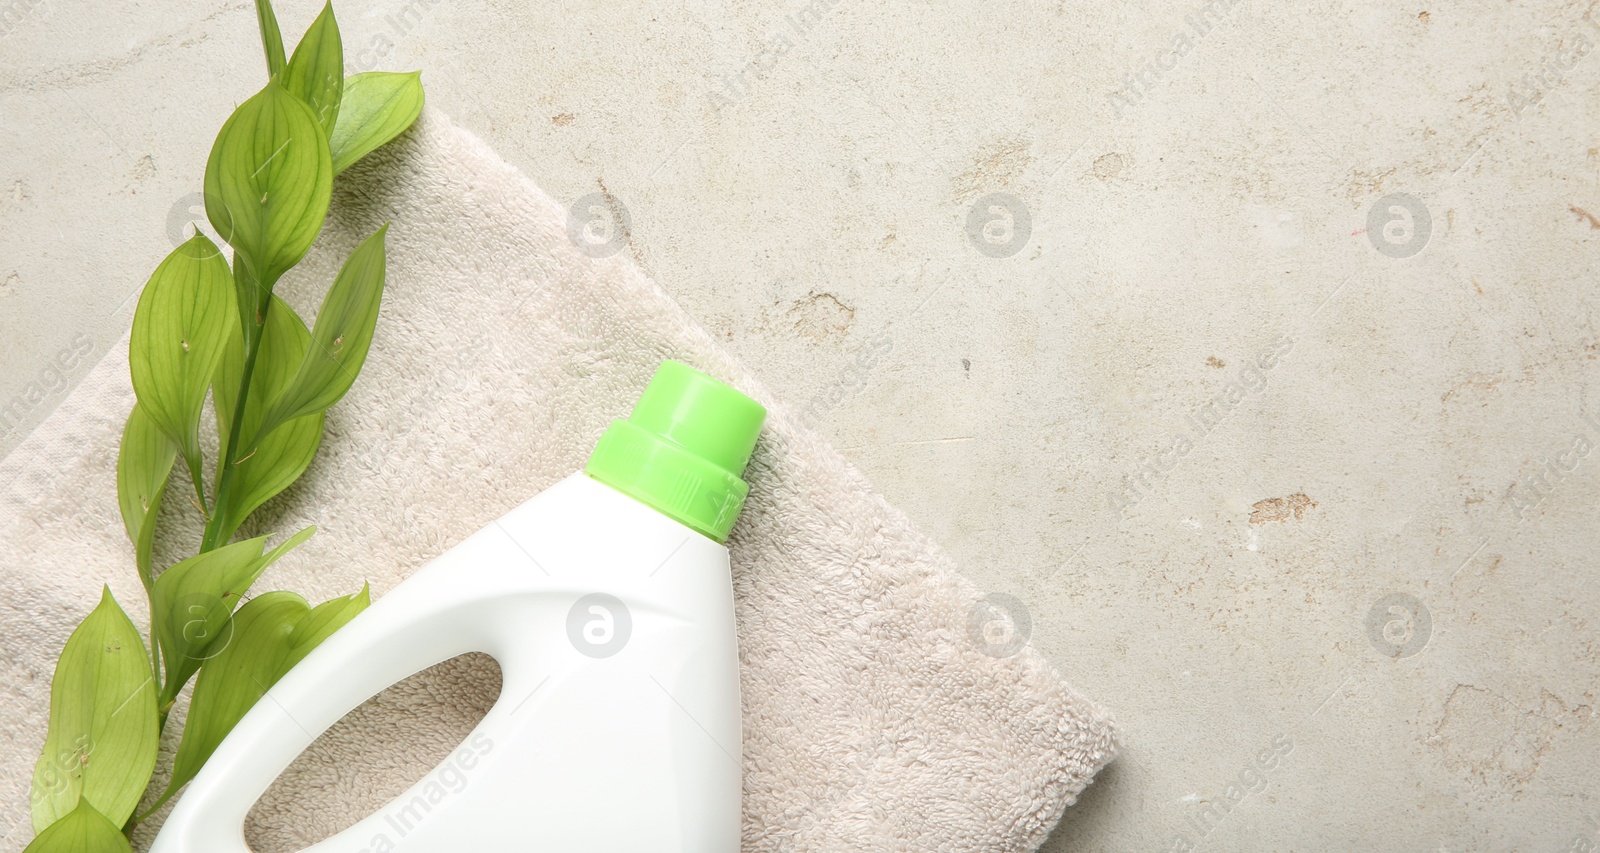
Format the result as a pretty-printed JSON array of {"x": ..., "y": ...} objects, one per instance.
[{"x": 872, "y": 718}]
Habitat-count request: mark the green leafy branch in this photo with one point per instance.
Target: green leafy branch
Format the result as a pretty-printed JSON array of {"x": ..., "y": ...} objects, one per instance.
[{"x": 208, "y": 325}]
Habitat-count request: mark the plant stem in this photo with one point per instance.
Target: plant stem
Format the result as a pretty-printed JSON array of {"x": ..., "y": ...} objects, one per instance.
[{"x": 254, "y": 324}]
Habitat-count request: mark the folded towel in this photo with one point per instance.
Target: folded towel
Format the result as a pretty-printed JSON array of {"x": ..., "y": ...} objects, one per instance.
[{"x": 874, "y": 720}]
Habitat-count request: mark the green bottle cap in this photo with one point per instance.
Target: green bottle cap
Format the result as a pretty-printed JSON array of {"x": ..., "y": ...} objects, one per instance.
[{"x": 683, "y": 449}]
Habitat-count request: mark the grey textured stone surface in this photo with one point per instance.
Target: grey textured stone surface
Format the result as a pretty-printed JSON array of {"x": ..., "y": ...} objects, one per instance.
[{"x": 1236, "y": 559}]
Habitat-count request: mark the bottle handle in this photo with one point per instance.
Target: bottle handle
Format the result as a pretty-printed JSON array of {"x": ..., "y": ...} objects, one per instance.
[{"x": 420, "y": 623}]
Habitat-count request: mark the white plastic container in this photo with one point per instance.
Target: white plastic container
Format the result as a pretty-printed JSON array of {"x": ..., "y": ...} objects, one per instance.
[{"x": 607, "y": 601}]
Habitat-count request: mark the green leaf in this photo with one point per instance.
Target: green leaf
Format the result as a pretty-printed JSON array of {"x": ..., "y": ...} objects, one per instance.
[
  {"x": 339, "y": 338},
  {"x": 271, "y": 37},
  {"x": 272, "y": 632},
  {"x": 268, "y": 183},
  {"x": 230, "y": 683},
  {"x": 316, "y": 73},
  {"x": 322, "y": 621},
  {"x": 144, "y": 546},
  {"x": 192, "y": 605},
  {"x": 282, "y": 456},
  {"x": 377, "y": 106},
  {"x": 179, "y": 330},
  {"x": 83, "y": 830},
  {"x": 144, "y": 463},
  {"x": 101, "y": 745},
  {"x": 278, "y": 460}
]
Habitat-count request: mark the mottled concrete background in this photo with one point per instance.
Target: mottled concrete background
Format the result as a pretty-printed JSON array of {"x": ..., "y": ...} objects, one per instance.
[{"x": 1251, "y": 348}]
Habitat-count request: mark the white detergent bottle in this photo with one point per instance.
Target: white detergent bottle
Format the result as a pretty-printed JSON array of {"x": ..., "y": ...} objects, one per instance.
[{"x": 607, "y": 601}]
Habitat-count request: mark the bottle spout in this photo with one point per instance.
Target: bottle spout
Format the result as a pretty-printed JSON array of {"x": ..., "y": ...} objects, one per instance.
[{"x": 684, "y": 449}]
